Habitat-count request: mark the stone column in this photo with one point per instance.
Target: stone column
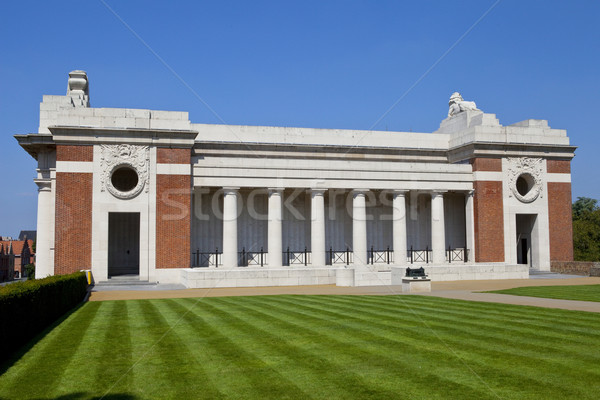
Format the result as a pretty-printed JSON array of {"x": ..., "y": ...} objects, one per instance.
[
  {"x": 470, "y": 225},
  {"x": 438, "y": 233},
  {"x": 399, "y": 226},
  {"x": 317, "y": 227},
  {"x": 359, "y": 227},
  {"x": 230, "y": 216},
  {"x": 274, "y": 228},
  {"x": 44, "y": 262}
]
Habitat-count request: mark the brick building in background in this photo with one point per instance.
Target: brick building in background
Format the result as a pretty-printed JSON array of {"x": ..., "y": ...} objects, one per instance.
[
  {"x": 151, "y": 195},
  {"x": 7, "y": 262},
  {"x": 22, "y": 252}
]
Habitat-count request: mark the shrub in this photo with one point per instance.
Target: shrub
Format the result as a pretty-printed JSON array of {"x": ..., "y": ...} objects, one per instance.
[
  {"x": 30, "y": 271},
  {"x": 27, "y": 308}
]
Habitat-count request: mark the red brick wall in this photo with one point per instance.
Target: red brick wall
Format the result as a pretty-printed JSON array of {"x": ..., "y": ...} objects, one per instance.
[
  {"x": 487, "y": 164},
  {"x": 560, "y": 221},
  {"x": 489, "y": 221},
  {"x": 558, "y": 167},
  {"x": 173, "y": 156},
  {"x": 73, "y": 226},
  {"x": 74, "y": 153},
  {"x": 173, "y": 216}
]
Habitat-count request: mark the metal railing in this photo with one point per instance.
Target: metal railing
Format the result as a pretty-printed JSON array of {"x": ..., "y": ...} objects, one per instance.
[
  {"x": 458, "y": 254},
  {"x": 420, "y": 256},
  {"x": 292, "y": 257},
  {"x": 206, "y": 259},
  {"x": 380, "y": 256},
  {"x": 340, "y": 257},
  {"x": 249, "y": 258},
  {"x": 335, "y": 257}
]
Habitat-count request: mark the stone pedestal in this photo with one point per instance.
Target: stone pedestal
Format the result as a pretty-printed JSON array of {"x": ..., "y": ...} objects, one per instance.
[{"x": 416, "y": 285}]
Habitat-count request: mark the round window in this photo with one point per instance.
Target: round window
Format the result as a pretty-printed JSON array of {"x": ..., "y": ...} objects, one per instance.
[
  {"x": 124, "y": 179},
  {"x": 525, "y": 187},
  {"x": 524, "y": 184}
]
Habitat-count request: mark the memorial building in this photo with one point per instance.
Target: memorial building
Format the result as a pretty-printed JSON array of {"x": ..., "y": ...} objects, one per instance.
[{"x": 151, "y": 196}]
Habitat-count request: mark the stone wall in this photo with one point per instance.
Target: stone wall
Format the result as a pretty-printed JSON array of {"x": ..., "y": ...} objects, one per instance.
[{"x": 584, "y": 268}]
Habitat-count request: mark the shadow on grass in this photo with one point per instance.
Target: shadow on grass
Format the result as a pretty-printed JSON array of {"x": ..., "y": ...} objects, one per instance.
[
  {"x": 89, "y": 396},
  {"x": 8, "y": 360}
]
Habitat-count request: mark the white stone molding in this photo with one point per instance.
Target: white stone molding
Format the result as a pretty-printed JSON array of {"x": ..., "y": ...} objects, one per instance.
[
  {"x": 531, "y": 169},
  {"x": 125, "y": 155}
]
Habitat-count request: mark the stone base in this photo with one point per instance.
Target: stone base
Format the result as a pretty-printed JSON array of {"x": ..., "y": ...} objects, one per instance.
[
  {"x": 416, "y": 285},
  {"x": 256, "y": 276},
  {"x": 463, "y": 272},
  {"x": 363, "y": 276},
  {"x": 352, "y": 276}
]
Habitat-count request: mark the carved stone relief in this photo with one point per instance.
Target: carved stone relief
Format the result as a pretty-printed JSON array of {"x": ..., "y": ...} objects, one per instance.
[
  {"x": 119, "y": 156},
  {"x": 525, "y": 178}
]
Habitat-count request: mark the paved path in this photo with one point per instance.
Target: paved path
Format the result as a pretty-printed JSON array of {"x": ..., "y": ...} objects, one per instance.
[{"x": 463, "y": 290}]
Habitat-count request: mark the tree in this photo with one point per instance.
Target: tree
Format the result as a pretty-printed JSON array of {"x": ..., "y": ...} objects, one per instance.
[{"x": 586, "y": 229}]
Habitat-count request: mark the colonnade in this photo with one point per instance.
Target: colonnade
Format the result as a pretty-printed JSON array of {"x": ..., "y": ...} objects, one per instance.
[{"x": 359, "y": 226}]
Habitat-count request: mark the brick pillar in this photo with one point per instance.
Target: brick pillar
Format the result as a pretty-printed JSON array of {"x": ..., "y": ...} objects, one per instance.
[
  {"x": 173, "y": 211},
  {"x": 73, "y": 224},
  {"x": 488, "y": 212},
  {"x": 560, "y": 217}
]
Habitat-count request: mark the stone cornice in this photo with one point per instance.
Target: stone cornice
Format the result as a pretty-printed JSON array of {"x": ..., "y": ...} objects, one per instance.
[
  {"x": 152, "y": 137},
  {"x": 500, "y": 150}
]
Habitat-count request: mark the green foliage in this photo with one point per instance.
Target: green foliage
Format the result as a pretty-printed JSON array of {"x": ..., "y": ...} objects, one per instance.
[
  {"x": 30, "y": 271},
  {"x": 586, "y": 229},
  {"x": 28, "y": 307}
]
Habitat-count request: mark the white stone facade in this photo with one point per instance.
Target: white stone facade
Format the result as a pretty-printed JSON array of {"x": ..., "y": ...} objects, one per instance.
[{"x": 294, "y": 206}]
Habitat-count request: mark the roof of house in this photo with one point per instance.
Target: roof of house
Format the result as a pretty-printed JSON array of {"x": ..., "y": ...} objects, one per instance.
[
  {"x": 17, "y": 245},
  {"x": 27, "y": 234}
]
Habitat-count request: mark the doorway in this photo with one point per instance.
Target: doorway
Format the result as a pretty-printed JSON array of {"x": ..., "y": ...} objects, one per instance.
[
  {"x": 123, "y": 244},
  {"x": 525, "y": 224}
]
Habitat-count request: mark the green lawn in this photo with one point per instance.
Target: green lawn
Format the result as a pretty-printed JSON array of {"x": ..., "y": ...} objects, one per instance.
[
  {"x": 575, "y": 292},
  {"x": 322, "y": 347}
]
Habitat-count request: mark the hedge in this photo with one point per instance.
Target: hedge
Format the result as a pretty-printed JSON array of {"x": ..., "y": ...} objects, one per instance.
[{"x": 28, "y": 307}]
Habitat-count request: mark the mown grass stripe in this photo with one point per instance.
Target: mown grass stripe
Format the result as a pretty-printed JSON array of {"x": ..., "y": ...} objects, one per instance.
[
  {"x": 261, "y": 377},
  {"x": 431, "y": 344},
  {"x": 481, "y": 318},
  {"x": 48, "y": 359},
  {"x": 283, "y": 343},
  {"x": 364, "y": 348},
  {"x": 536, "y": 358},
  {"x": 455, "y": 327},
  {"x": 161, "y": 348},
  {"x": 314, "y": 346},
  {"x": 81, "y": 374},
  {"x": 475, "y": 325}
]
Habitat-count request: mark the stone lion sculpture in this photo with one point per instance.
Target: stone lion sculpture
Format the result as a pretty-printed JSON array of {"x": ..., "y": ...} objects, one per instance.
[{"x": 457, "y": 105}]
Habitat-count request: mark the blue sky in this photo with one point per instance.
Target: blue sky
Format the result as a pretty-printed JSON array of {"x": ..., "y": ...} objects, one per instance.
[{"x": 326, "y": 64}]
